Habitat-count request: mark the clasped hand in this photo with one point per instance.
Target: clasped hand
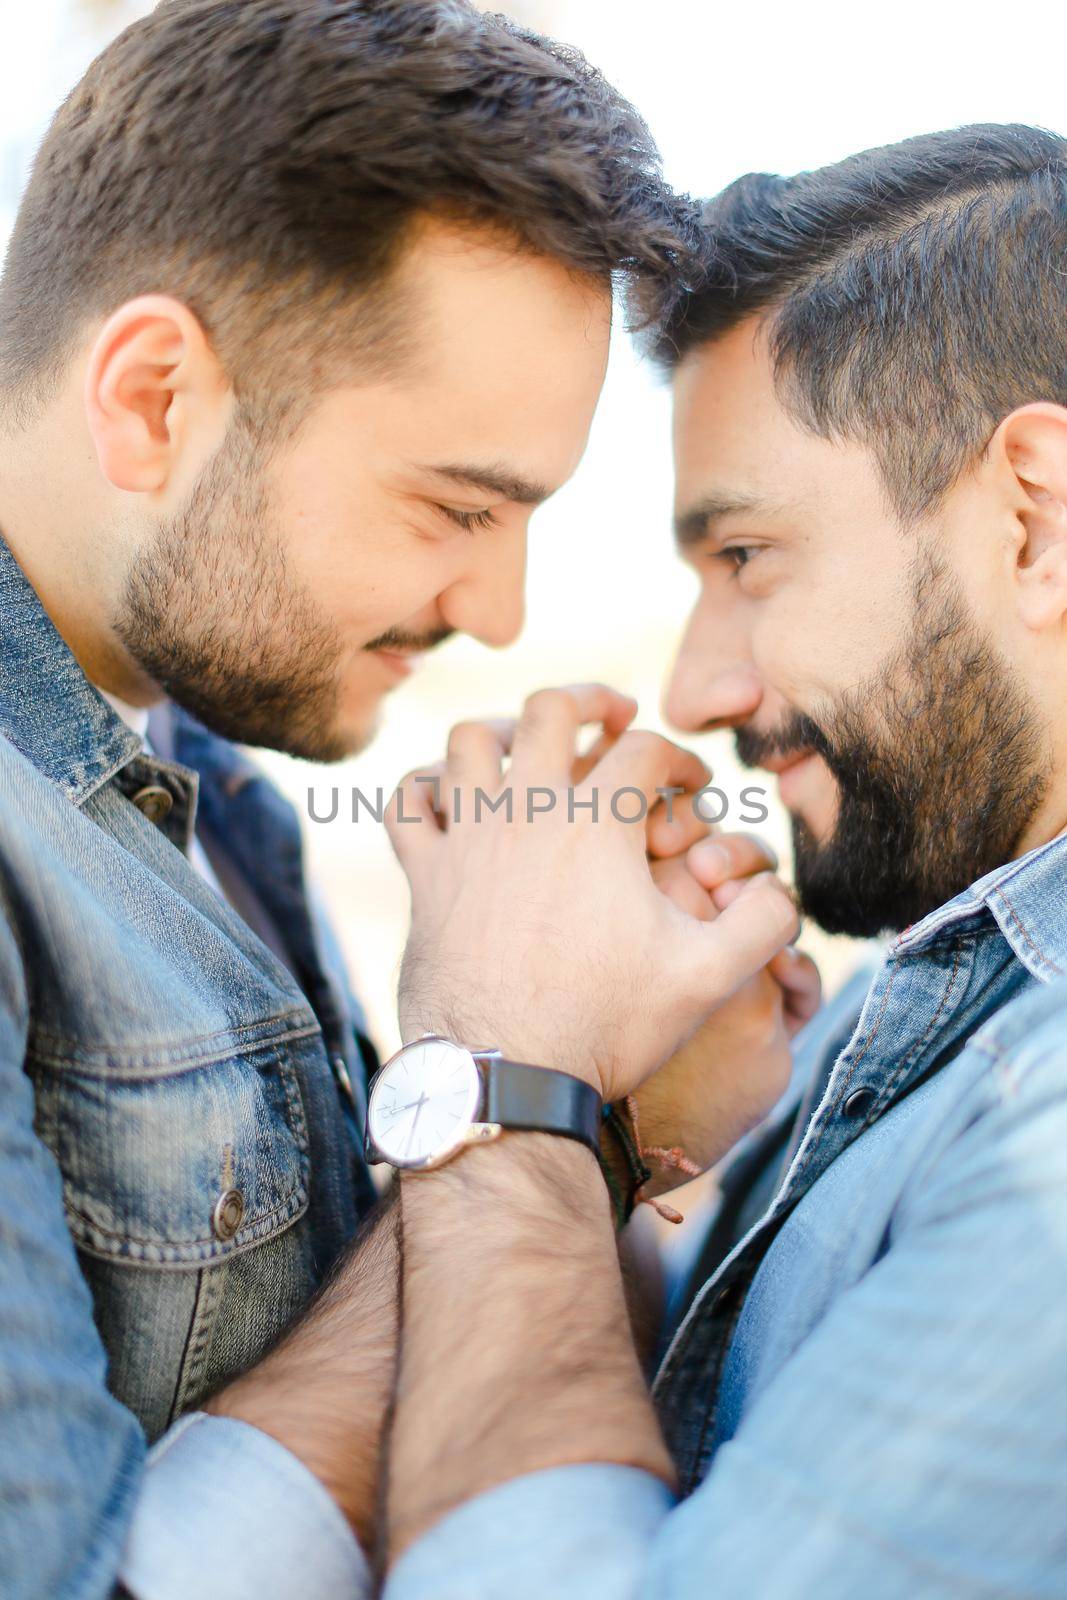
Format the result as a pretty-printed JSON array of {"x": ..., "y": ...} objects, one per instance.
[{"x": 546, "y": 925}]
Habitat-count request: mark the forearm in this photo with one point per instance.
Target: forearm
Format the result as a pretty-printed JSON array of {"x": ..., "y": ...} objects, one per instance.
[
  {"x": 324, "y": 1392},
  {"x": 516, "y": 1352}
]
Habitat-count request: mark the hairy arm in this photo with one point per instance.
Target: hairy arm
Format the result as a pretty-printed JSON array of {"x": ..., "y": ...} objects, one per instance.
[
  {"x": 517, "y": 1352},
  {"x": 550, "y": 938},
  {"x": 324, "y": 1391}
]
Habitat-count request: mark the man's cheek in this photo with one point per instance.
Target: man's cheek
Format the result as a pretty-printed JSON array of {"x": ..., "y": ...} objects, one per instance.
[{"x": 799, "y": 654}]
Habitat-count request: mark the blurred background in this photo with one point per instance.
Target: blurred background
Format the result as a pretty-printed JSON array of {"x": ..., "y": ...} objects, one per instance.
[{"x": 726, "y": 89}]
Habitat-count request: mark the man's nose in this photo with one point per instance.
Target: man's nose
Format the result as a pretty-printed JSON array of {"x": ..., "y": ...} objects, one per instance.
[
  {"x": 489, "y": 600},
  {"x": 706, "y": 691}
]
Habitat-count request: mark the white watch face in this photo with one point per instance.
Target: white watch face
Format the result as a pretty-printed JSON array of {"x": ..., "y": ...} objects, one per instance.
[{"x": 423, "y": 1102}]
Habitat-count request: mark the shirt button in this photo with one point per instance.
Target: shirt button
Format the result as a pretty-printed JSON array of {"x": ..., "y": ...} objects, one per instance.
[
  {"x": 721, "y": 1301},
  {"x": 859, "y": 1103},
  {"x": 153, "y": 801},
  {"x": 228, "y": 1214}
]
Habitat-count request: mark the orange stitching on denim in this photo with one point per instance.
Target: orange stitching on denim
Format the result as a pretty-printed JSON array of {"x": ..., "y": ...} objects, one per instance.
[
  {"x": 877, "y": 1024},
  {"x": 1042, "y": 957},
  {"x": 919, "y": 1045}
]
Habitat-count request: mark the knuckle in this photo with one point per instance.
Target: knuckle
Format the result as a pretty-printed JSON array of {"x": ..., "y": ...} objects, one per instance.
[
  {"x": 417, "y": 782},
  {"x": 781, "y": 906},
  {"x": 552, "y": 704},
  {"x": 642, "y": 742},
  {"x": 469, "y": 736}
]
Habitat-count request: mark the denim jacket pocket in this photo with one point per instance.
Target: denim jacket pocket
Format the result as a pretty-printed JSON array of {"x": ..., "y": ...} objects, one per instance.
[{"x": 180, "y": 1157}]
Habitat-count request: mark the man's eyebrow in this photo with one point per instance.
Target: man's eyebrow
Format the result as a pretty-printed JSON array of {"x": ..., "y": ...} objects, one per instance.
[
  {"x": 494, "y": 480},
  {"x": 697, "y": 522}
]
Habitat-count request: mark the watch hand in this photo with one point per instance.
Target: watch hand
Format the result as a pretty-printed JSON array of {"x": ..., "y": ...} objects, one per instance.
[{"x": 418, "y": 1104}]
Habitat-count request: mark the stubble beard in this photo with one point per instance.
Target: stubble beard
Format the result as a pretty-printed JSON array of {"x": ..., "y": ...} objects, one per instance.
[{"x": 211, "y": 612}]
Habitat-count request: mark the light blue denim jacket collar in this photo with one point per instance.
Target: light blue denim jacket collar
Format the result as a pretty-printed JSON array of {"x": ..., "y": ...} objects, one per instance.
[
  {"x": 1026, "y": 900},
  {"x": 58, "y": 720}
]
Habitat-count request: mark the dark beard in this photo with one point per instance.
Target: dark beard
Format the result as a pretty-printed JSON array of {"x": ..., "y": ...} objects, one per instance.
[
  {"x": 939, "y": 767},
  {"x": 212, "y": 614}
]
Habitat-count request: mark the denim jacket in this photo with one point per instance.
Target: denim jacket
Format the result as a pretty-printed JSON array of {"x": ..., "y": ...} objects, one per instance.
[
  {"x": 179, "y": 1109},
  {"x": 869, "y": 1396}
]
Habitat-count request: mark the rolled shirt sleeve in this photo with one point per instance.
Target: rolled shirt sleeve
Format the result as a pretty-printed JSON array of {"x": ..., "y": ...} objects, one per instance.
[
  {"x": 225, "y": 1509},
  {"x": 569, "y": 1532}
]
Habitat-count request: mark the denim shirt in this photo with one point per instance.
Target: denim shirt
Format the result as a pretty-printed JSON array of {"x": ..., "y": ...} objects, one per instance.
[
  {"x": 869, "y": 1397},
  {"x": 179, "y": 1108}
]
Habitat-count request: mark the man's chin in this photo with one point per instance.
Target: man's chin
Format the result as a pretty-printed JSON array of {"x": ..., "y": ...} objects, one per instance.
[
  {"x": 360, "y": 727},
  {"x": 836, "y": 911},
  {"x": 304, "y": 739},
  {"x": 326, "y": 739},
  {"x": 340, "y": 743},
  {"x": 840, "y": 895}
]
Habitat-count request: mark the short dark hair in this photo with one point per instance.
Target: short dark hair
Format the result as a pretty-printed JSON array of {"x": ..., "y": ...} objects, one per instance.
[
  {"x": 262, "y": 158},
  {"x": 917, "y": 294}
]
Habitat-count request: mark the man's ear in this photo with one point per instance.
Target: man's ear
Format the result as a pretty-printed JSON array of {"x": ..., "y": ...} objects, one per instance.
[
  {"x": 1032, "y": 442},
  {"x": 154, "y": 394}
]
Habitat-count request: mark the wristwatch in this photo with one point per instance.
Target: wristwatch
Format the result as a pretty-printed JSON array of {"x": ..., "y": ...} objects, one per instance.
[{"x": 434, "y": 1098}]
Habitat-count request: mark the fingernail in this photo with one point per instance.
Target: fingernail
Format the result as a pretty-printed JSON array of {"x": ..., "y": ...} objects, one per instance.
[{"x": 711, "y": 857}]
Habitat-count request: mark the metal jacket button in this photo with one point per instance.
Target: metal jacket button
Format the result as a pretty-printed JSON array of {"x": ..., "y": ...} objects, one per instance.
[
  {"x": 228, "y": 1214},
  {"x": 153, "y": 801}
]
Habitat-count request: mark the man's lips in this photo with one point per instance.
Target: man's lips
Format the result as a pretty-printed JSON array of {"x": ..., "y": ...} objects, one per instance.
[
  {"x": 790, "y": 769},
  {"x": 782, "y": 763},
  {"x": 401, "y": 663}
]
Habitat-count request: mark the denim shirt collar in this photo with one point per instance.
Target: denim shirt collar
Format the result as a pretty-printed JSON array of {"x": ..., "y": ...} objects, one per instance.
[
  {"x": 1026, "y": 897},
  {"x": 940, "y": 982},
  {"x": 49, "y": 710}
]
